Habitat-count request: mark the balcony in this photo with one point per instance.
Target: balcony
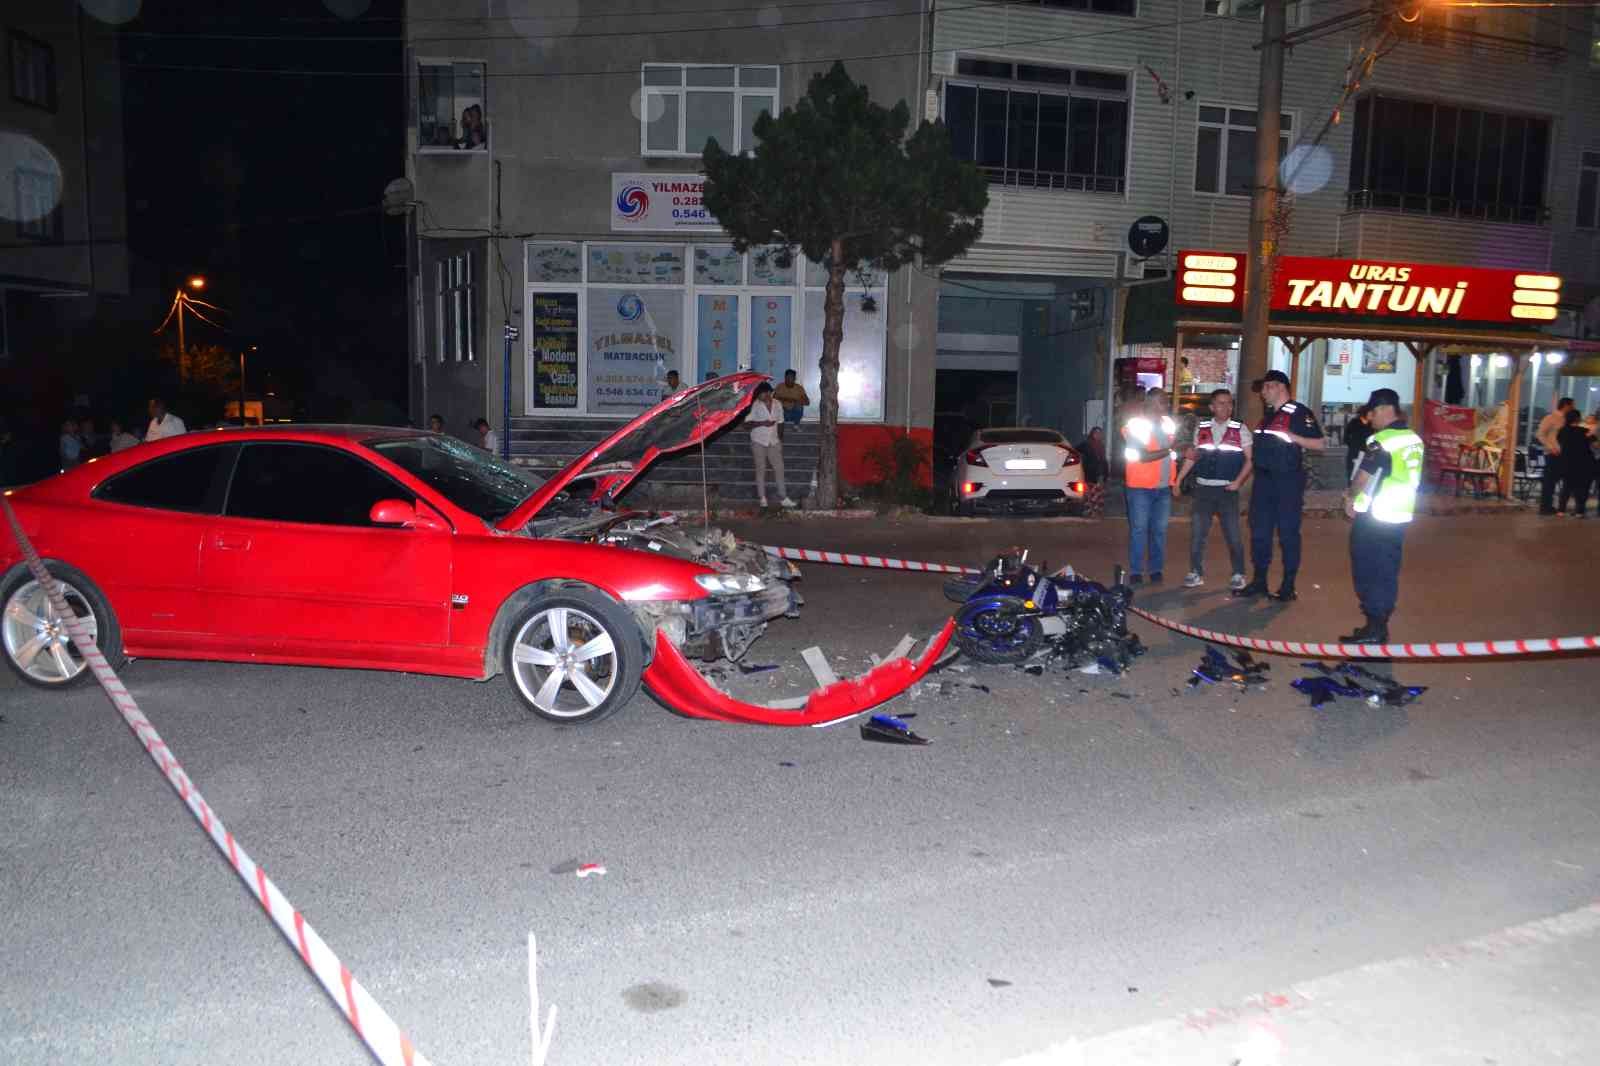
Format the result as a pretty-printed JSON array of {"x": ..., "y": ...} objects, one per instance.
[
  {"x": 1013, "y": 178},
  {"x": 1476, "y": 234},
  {"x": 1448, "y": 207}
]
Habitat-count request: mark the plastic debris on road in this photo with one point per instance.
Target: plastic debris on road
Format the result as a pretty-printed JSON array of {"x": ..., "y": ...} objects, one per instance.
[
  {"x": 887, "y": 729},
  {"x": 1243, "y": 670},
  {"x": 1355, "y": 682},
  {"x": 590, "y": 868}
]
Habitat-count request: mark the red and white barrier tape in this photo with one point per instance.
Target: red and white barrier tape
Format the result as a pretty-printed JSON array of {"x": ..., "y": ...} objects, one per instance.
[
  {"x": 811, "y": 555},
  {"x": 1434, "y": 650},
  {"x": 370, "y": 1021}
]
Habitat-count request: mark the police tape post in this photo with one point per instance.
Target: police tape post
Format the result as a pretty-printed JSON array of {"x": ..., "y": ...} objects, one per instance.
[
  {"x": 1472, "y": 649},
  {"x": 371, "y": 1022}
]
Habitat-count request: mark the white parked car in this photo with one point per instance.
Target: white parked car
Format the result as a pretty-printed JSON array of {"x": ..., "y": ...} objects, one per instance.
[{"x": 1019, "y": 470}]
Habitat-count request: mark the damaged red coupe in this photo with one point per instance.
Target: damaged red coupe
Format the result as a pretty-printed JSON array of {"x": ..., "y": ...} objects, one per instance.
[{"x": 394, "y": 549}]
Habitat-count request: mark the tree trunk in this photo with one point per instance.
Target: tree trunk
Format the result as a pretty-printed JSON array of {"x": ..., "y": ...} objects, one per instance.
[{"x": 828, "y": 382}]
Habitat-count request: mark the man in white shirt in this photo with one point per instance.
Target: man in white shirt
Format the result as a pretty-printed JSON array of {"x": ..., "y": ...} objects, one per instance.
[
  {"x": 489, "y": 440},
  {"x": 163, "y": 423},
  {"x": 1549, "y": 426},
  {"x": 763, "y": 419}
]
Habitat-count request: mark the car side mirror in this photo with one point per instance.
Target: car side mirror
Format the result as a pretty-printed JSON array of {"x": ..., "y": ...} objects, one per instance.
[{"x": 406, "y": 515}]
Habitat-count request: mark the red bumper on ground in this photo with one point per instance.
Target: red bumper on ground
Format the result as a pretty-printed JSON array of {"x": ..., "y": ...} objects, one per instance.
[{"x": 674, "y": 681}]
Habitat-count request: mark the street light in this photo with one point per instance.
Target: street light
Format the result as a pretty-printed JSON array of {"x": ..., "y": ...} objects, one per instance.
[{"x": 182, "y": 302}]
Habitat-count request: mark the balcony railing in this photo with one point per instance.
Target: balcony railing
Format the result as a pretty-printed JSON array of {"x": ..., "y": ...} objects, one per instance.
[
  {"x": 1448, "y": 207},
  {"x": 1053, "y": 179}
]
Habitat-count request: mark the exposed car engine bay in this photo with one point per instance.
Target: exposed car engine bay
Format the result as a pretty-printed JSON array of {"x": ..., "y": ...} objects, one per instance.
[{"x": 750, "y": 587}]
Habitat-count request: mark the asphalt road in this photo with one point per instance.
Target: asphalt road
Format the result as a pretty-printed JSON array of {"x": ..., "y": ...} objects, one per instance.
[{"x": 1071, "y": 859}]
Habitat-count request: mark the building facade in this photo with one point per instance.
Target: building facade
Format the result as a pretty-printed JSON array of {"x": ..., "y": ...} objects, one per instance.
[
  {"x": 63, "y": 213},
  {"x": 1471, "y": 140},
  {"x": 554, "y": 163}
]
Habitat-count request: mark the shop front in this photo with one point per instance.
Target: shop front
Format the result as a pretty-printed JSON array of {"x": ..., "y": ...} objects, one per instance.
[{"x": 1432, "y": 332}]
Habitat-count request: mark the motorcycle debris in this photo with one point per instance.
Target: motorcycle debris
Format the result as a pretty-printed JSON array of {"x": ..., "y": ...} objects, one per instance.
[{"x": 887, "y": 729}]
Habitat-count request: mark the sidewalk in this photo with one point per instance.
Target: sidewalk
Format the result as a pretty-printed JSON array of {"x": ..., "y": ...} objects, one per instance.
[
  {"x": 1524, "y": 995},
  {"x": 1329, "y": 503}
]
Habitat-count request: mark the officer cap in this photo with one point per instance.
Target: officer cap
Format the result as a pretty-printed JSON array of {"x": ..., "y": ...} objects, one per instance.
[
  {"x": 1271, "y": 375},
  {"x": 1384, "y": 398}
]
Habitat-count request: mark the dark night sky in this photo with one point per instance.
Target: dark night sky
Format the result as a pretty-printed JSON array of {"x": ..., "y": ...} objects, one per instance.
[{"x": 269, "y": 183}]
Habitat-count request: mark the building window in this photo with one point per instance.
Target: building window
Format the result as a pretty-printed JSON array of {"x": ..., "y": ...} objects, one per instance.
[
  {"x": 1589, "y": 191},
  {"x": 1099, "y": 7},
  {"x": 1441, "y": 159},
  {"x": 684, "y": 105},
  {"x": 38, "y": 200},
  {"x": 1039, "y": 126},
  {"x": 1225, "y": 148},
  {"x": 452, "y": 106},
  {"x": 456, "y": 308},
  {"x": 33, "y": 71}
]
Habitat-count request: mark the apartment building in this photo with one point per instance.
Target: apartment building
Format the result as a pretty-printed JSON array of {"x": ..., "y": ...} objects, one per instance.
[
  {"x": 1473, "y": 140},
  {"x": 62, "y": 198},
  {"x": 553, "y": 163}
]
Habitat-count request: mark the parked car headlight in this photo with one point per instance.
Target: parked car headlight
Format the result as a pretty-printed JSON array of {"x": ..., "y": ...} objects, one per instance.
[{"x": 730, "y": 584}]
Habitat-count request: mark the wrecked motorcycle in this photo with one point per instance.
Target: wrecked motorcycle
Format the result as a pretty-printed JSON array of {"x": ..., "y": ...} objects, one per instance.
[{"x": 1013, "y": 611}]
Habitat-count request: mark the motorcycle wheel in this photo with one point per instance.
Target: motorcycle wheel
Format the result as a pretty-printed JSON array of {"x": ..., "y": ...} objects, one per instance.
[{"x": 995, "y": 633}]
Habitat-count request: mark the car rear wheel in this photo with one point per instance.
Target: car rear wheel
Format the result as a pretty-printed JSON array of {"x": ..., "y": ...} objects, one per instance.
[
  {"x": 34, "y": 633},
  {"x": 574, "y": 656}
]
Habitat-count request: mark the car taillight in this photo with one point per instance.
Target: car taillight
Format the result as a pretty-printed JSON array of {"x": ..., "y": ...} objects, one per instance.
[
  {"x": 1078, "y": 487},
  {"x": 975, "y": 458},
  {"x": 968, "y": 488}
]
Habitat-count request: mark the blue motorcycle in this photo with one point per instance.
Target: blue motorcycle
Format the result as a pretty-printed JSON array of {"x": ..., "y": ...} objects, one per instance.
[{"x": 1013, "y": 611}]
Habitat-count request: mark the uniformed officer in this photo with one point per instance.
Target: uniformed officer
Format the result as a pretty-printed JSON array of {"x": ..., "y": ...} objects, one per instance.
[
  {"x": 1382, "y": 499},
  {"x": 1287, "y": 429}
]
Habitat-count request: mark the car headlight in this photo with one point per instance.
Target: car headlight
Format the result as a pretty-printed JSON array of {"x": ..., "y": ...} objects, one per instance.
[{"x": 730, "y": 584}]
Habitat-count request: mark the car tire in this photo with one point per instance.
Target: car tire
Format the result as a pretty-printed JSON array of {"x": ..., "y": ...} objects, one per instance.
[
  {"x": 594, "y": 667},
  {"x": 34, "y": 642},
  {"x": 965, "y": 510}
]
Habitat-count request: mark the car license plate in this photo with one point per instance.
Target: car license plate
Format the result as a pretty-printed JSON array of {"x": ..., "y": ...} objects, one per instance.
[{"x": 1025, "y": 464}]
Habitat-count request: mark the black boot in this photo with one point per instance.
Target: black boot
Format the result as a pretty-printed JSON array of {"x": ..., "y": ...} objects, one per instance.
[
  {"x": 1257, "y": 587},
  {"x": 1285, "y": 591},
  {"x": 1374, "y": 631}
]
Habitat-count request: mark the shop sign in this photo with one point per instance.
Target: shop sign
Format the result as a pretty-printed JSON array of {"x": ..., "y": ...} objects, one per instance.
[
  {"x": 1370, "y": 289},
  {"x": 660, "y": 203},
  {"x": 553, "y": 349}
]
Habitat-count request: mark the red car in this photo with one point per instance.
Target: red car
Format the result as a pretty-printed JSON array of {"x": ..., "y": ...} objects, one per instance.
[{"x": 394, "y": 549}]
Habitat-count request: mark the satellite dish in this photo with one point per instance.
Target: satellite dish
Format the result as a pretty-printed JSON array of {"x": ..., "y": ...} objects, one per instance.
[
  {"x": 398, "y": 196},
  {"x": 1148, "y": 236}
]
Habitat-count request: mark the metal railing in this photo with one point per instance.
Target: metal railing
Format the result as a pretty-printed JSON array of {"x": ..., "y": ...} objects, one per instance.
[
  {"x": 1053, "y": 179},
  {"x": 1447, "y": 207}
]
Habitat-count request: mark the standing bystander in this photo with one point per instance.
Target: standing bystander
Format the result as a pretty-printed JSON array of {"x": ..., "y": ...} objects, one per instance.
[
  {"x": 121, "y": 439},
  {"x": 488, "y": 439},
  {"x": 1220, "y": 460},
  {"x": 163, "y": 423},
  {"x": 765, "y": 444},
  {"x": 1576, "y": 459},
  {"x": 70, "y": 447},
  {"x": 1549, "y": 426},
  {"x": 1150, "y": 474},
  {"x": 1356, "y": 433}
]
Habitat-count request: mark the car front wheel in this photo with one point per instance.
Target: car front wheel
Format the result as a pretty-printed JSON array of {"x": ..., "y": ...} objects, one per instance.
[
  {"x": 34, "y": 633},
  {"x": 574, "y": 656}
]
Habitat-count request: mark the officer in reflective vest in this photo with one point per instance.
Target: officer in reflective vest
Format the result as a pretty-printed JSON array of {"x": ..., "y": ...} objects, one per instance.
[
  {"x": 1286, "y": 431},
  {"x": 1150, "y": 474},
  {"x": 1220, "y": 460},
  {"x": 1381, "y": 500}
]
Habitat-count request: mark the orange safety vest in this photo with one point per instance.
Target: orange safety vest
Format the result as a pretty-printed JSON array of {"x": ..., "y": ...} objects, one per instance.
[{"x": 1143, "y": 438}]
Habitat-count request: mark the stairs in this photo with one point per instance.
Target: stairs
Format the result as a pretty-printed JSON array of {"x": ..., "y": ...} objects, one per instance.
[{"x": 545, "y": 445}]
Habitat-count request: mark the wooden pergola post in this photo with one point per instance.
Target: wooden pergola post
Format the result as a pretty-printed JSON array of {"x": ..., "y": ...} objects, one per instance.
[
  {"x": 1508, "y": 455},
  {"x": 1421, "y": 355},
  {"x": 1296, "y": 345}
]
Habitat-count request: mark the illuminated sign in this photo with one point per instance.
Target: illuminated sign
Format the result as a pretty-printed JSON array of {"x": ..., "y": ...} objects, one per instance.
[{"x": 1374, "y": 289}]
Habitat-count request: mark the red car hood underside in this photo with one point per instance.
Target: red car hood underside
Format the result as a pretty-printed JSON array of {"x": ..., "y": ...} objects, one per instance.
[
  {"x": 674, "y": 681},
  {"x": 678, "y": 422}
]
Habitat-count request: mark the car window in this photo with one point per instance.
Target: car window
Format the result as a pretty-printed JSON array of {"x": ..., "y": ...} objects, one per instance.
[
  {"x": 308, "y": 483},
  {"x": 1021, "y": 436},
  {"x": 468, "y": 477},
  {"x": 192, "y": 480}
]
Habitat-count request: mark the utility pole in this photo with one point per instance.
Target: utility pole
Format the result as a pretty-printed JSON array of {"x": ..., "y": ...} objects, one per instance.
[{"x": 1263, "y": 197}]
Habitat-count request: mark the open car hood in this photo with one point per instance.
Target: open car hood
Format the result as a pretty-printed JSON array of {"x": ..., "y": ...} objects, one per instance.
[{"x": 680, "y": 421}]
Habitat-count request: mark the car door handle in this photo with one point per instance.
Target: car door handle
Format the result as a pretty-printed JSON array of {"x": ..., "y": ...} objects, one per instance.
[{"x": 231, "y": 542}]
